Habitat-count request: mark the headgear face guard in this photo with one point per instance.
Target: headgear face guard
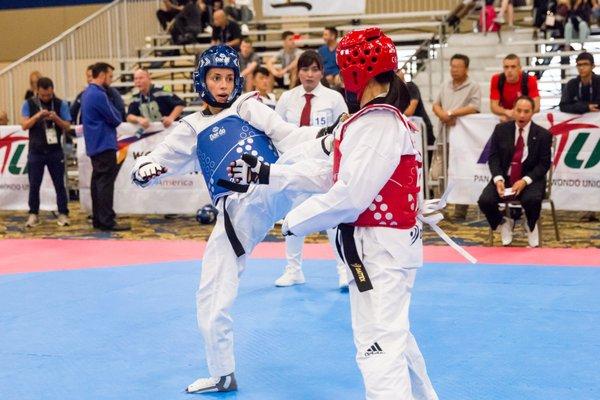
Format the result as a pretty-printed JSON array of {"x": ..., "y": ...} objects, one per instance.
[
  {"x": 362, "y": 55},
  {"x": 220, "y": 56}
]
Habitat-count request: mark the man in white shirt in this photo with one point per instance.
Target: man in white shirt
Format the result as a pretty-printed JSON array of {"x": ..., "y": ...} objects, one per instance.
[{"x": 309, "y": 104}]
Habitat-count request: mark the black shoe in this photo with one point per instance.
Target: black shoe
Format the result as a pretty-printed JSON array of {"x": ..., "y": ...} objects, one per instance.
[
  {"x": 114, "y": 228},
  {"x": 120, "y": 227}
]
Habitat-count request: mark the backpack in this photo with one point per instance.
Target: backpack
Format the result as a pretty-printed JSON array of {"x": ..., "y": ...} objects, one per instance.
[{"x": 524, "y": 86}]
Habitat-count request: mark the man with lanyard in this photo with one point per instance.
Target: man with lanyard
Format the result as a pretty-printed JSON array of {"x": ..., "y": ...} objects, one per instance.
[
  {"x": 309, "y": 104},
  {"x": 581, "y": 95},
  {"x": 233, "y": 124},
  {"x": 152, "y": 103},
  {"x": 47, "y": 118}
]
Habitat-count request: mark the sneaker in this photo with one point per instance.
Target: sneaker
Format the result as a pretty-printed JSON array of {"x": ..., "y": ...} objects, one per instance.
[
  {"x": 343, "y": 279},
  {"x": 291, "y": 276},
  {"x": 225, "y": 383},
  {"x": 506, "y": 231},
  {"x": 32, "y": 221},
  {"x": 533, "y": 237},
  {"x": 63, "y": 220},
  {"x": 245, "y": 30}
]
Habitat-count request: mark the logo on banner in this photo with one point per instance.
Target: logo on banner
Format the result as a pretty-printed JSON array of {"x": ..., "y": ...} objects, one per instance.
[
  {"x": 123, "y": 144},
  {"x": 11, "y": 158},
  {"x": 564, "y": 129},
  {"x": 291, "y": 3}
]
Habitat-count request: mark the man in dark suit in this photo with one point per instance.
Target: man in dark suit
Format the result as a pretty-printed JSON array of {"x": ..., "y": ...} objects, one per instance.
[{"x": 520, "y": 156}]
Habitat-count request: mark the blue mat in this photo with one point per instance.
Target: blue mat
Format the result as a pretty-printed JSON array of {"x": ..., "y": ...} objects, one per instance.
[{"x": 487, "y": 332}]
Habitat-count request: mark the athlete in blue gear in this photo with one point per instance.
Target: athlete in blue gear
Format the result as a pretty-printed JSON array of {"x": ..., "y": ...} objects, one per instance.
[{"x": 231, "y": 125}]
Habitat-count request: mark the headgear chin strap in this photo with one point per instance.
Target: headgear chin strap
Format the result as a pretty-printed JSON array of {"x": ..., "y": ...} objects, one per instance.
[{"x": 219, "y": 56}]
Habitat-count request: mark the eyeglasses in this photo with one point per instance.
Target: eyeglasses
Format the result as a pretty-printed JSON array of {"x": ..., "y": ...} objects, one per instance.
[{"x": 579, "y": 65}]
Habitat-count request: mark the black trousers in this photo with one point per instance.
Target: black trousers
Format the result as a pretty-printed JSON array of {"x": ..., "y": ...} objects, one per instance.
[
  {"x": 164, "y": 17},
  {"x": 530, "y": 198},
  {"x": 55, "y": 161},
  {"x": 104, "y": 173}
]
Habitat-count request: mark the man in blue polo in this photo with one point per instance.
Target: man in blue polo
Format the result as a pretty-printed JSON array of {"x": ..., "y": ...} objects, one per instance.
[
  {"x": 327, "y": 53},
  {"x": 100, "y": 120}
]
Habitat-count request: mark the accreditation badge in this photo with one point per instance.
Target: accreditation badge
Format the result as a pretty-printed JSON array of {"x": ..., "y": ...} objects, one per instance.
[{"x": 51, "y": 136}]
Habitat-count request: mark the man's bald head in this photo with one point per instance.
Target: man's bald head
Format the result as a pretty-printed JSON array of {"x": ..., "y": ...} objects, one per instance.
[
  {"x": 141, "y": 80},
  {"x": 220, "y": 18}
]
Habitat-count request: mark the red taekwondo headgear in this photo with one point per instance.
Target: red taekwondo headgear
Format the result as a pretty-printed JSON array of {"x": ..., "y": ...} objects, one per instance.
[{"x": 363, "y": 54}]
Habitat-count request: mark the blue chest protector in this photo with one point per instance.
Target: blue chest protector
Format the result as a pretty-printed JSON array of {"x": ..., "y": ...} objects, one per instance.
[{"x": 225, "y": 141}]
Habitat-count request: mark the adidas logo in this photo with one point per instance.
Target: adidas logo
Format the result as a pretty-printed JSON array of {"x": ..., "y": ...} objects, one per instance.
[{"x": 375, "y": 349}]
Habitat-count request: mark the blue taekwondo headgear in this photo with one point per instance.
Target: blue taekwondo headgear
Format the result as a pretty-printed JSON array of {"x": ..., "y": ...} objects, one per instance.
[{"x": 219, "y": 56}]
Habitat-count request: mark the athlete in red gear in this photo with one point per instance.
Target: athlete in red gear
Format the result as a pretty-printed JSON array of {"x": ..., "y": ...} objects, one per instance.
[{"x": 374, "y": 202}]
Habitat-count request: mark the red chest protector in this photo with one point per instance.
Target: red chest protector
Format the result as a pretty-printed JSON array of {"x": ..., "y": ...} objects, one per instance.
[{"x": 396, "y": 204}]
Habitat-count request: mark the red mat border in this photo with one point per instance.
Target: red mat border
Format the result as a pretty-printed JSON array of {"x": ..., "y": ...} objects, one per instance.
[{"x": 40, "y": 255}]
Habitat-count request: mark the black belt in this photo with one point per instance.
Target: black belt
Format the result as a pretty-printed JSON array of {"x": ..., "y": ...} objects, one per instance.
[
  {"x": 233, "y": 239},
  {"x": 346, "y": 247}
]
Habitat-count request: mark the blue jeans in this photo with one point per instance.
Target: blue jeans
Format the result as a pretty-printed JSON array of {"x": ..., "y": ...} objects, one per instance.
[
  {"x": 55, "y": 161},
  {"x": 582, "y": 33}
]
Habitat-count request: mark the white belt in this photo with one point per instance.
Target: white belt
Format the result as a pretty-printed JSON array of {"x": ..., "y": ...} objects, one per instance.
[{"x": 431, "y": 215}]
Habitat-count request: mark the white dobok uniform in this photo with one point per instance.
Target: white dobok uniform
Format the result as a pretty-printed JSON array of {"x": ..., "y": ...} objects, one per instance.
[
  {"x": 387, "y": 353},
  {"x": 252, "y": 213}
]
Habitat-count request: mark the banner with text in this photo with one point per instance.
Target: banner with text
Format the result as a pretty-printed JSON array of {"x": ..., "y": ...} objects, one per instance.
[
  {"x": 183, "y": 194},
  {"x": 14, "y": 181},
  {"x": 294, "y": 8},
  {"x": 576, "y": 177}
]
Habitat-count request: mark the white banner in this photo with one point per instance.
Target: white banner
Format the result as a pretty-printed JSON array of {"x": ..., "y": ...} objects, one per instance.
[
  {"x": 576, "y": 178},
  {"x": 183, "y": 194},
  {"x": 14, "y": 181},
  {"x": 294, "y": 8}
]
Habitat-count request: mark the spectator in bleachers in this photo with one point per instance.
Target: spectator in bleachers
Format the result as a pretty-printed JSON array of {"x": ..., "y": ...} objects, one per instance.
[
  {"x": 459, "y": 97},
  {"x": 416, "y": 108},
  {"x": 509, "y": 85},
  {"x": 3, "y": 118},
  {"x": 47, "y": 118},
  {"x": 284, "y": 66},
  {"x": 506, "y": 7},
  {"x": 309, "y": 104},
  {"x": 100, "y": 120},
  {"x": 169, "y": 11},
  {"x": 461, "y": 10},
  {"x": 190, "y": 22},
  {"x": 581, "y": 95},
  {"x": 33, "y": 78},
  {"x": 262, "y": 83},
  {"x": 241, "y": 10},
  {"x": 327, "y": 53},
  {"x": 113, "y": 95},
  {"x": 249, "y": 60},
  {"x": 520, "y": 156},
  {"x": 152, "y": 103},
  {"x": 578, "y": 21},
  {"x": 225, "y": 30}
]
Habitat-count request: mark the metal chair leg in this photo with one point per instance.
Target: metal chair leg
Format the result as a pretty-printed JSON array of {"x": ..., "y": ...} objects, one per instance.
[{"x": 554, "y": 220}]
